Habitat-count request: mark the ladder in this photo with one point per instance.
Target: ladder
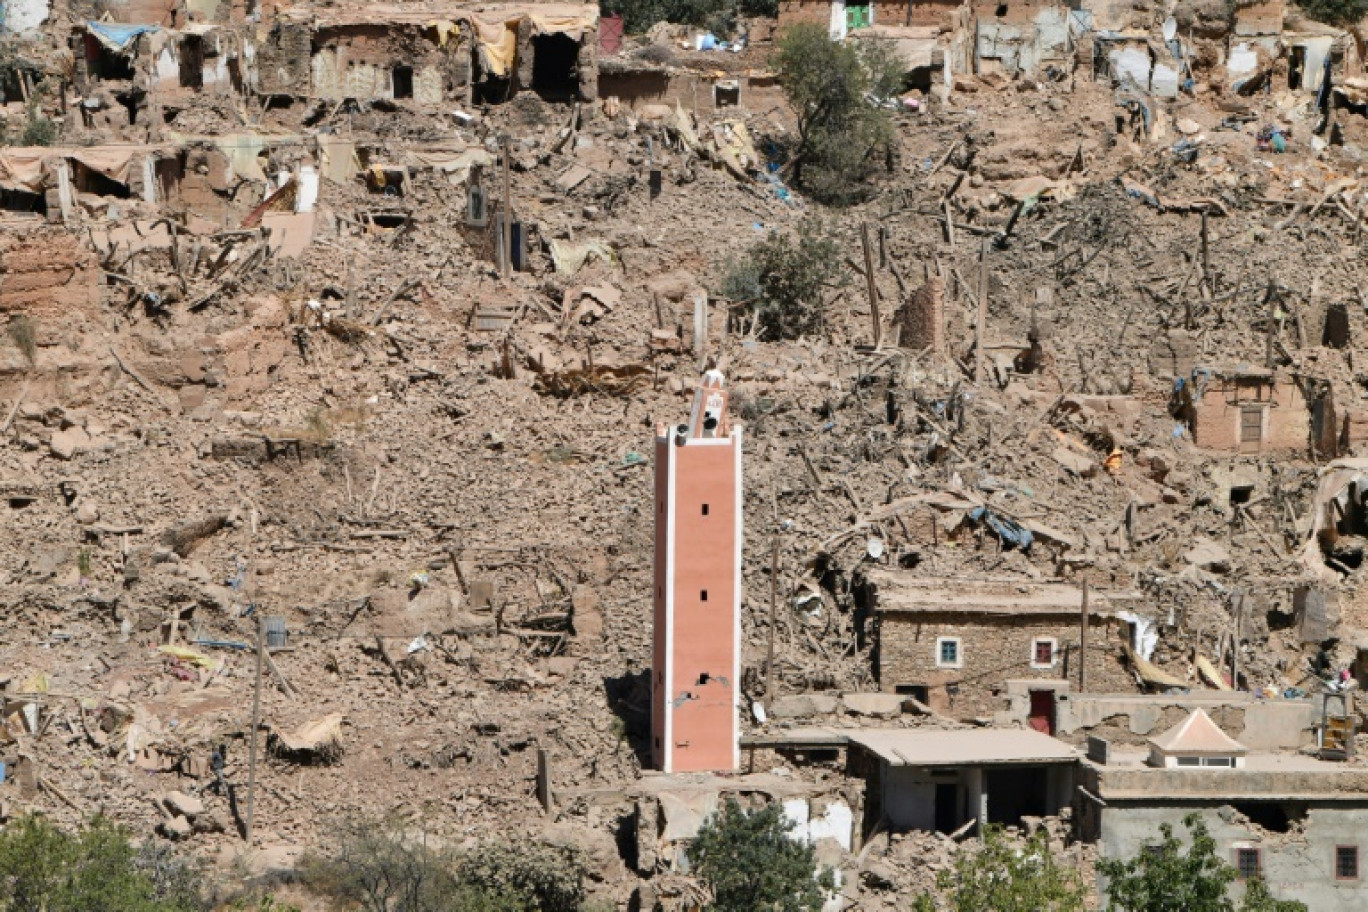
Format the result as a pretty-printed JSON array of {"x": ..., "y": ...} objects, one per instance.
[{"x": 1336, "y": 730}]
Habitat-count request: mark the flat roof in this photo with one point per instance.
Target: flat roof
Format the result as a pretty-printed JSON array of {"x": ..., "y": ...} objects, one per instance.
[
  {"x": 969, "y": 747},
  {"x": 899, "y": 593}
]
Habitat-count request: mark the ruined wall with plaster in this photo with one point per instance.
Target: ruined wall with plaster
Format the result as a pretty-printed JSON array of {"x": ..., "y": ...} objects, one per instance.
[
  {"x": 1132, "y": 719},
  {"x": 993, "y": 648},
  {"x": 359, "y": 61},
  {"x": 690, "y": 91}
]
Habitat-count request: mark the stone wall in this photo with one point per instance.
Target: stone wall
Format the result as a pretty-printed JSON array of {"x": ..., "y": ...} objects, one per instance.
[{"x": 993, "y": 648}]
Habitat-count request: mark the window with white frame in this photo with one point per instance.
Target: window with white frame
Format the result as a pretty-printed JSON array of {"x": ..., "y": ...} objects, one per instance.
[
  {"x": 1043, "y": 652},
  {"x": 949, "y": 652}
]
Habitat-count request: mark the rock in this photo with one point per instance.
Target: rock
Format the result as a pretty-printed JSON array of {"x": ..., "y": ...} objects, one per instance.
[
  {"x": 66, "y": 444},
  {"x": 176, "y": 828},
  {"x": 801, "y": 706},
  {"x": 210, "y": 823},
  {"x": 825, "y": 704},
  {"x": 792, "y": 706},
  {"x": 87, "y": 514},
  {"x": 878, "y": 705},
  {"x": 588, "y": 614},
  {"x": 183, "y": 804},
  {"x": 1208, "y": 555},
  {"x": 1075, "y": 463}
]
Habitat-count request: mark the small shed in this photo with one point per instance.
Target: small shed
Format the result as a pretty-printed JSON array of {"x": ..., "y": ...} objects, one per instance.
[{"x": 1196, "y": 743}]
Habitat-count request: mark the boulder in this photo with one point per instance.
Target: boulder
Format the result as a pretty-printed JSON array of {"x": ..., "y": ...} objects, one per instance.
[
  {"x": 878, "y": 705},
  {"x": 183, "y": 804}
]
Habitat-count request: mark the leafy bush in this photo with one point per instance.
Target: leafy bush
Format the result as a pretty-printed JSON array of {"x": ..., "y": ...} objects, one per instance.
[
  {"x": 1335, "y": 12},
  {"x": 718, "y": 16},
  {"x": 38, "y": 129},
  {"x": 540, "y": 878},
  {"x": 41, "y": 867},
  {"x": 840, "y": 131},
  {"x": 380, "y": 867},
  {"x": 748, "y": 861},
  {"x": 780, "y": 281},
  {"x": 24, "y": 335},
  {"x": 1169, "y": 878},
  {"x": 1004, "y": 877}
]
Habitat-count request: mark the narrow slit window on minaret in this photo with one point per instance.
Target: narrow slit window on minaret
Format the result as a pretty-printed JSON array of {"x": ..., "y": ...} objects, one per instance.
[
  {"x": 705, "y": 509},
  {"x": 703, "y": 596}
]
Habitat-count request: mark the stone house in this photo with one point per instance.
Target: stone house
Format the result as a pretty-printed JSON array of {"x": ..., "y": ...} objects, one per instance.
[
  {"x": 1296, "y": 821},
  {"x": 958, "y": 781},
  {"x": 953, "y": 644}
]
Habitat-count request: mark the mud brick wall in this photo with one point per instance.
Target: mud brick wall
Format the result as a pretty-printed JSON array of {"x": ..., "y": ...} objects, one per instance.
[
  {"x": 792, "y": 12},
  {"x": 47, "y": 274},
  {"x": 922, "y": 318},
  {"x": 283, "y": 60},
  {"x": 1286, "y": 418},
  {"x": 993, "y": 648}
]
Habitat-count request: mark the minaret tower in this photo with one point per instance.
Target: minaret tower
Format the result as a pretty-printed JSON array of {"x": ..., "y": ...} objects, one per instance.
[{"x": 696, "y": 668}]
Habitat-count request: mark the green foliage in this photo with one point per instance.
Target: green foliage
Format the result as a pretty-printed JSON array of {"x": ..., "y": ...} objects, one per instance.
[
  {"x": 38, "y": 129},
  {"x": 43, "y": 868},
  {"x": 750, "y": 864},
  {"x": 1335, "y": 12},
  {"x": 840, "y": 131},
  {"x": 780, "y": 281},
  {"x": 542, "y": 878},
  {"x": 24, "y": 335},
  {"x": 1258, "y": 899},
  {"x": 1169, "y": 878},
  {"x": 380, "y": 867},
  {"x": 1003, "y": 877}
]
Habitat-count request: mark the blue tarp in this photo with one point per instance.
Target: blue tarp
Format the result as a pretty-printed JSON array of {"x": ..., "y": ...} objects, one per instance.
[
  {"x": 118, "y": 37},
  {"x": 1008, "y": 530}
]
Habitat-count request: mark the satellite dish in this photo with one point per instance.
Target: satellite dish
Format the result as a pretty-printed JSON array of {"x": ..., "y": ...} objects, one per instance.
[{"x": 875, "y": 548}]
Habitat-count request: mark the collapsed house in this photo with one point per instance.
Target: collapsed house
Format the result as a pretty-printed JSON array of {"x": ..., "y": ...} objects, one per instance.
[{"x": 433, "y": 55}]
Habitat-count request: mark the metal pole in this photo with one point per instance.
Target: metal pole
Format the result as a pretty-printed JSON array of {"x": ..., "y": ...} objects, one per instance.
[
  {"x": 507, "y": 265},
  {"x": 256, "y": 724}
]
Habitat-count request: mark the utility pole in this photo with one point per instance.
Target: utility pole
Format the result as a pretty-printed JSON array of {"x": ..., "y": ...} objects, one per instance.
[
  {"x": 774, "y": 598},
  {"x": 980, "y": 330},
  {"x": 871, "y": 287},
  {"x": 507, "y": 264},
  {"x": 256, "y": 723},
  {"x": 1083, "y": 642}
]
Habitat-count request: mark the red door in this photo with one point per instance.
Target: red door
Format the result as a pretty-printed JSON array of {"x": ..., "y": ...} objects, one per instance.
[{"x": 1042, "y": 717}]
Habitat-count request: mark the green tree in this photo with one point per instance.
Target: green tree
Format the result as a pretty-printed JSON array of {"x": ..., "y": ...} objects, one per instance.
[
  {"x": 43, "y": 868},
  {"x": 840, "y": 131},
  {"x": 750, "y": 864},
  {"x": 384, "y": 866},
  {"x": 780, "y": 281},
  {"x": 1258, "y": 899},
  {"x": 1170, "y": 877},
  {"x": 1004, "y": 877},
  {"x": 1335, "y": 12}
]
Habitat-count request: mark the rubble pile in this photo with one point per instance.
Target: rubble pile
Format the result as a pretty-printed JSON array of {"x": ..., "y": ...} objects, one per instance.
[{"x": 290, "y": 392}]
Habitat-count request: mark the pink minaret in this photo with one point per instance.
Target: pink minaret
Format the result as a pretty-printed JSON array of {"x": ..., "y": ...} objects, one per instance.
[{"x": 696, "y": 670}]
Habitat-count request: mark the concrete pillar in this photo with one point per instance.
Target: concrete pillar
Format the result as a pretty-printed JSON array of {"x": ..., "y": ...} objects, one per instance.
[{"x": 977, "y": 795}]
